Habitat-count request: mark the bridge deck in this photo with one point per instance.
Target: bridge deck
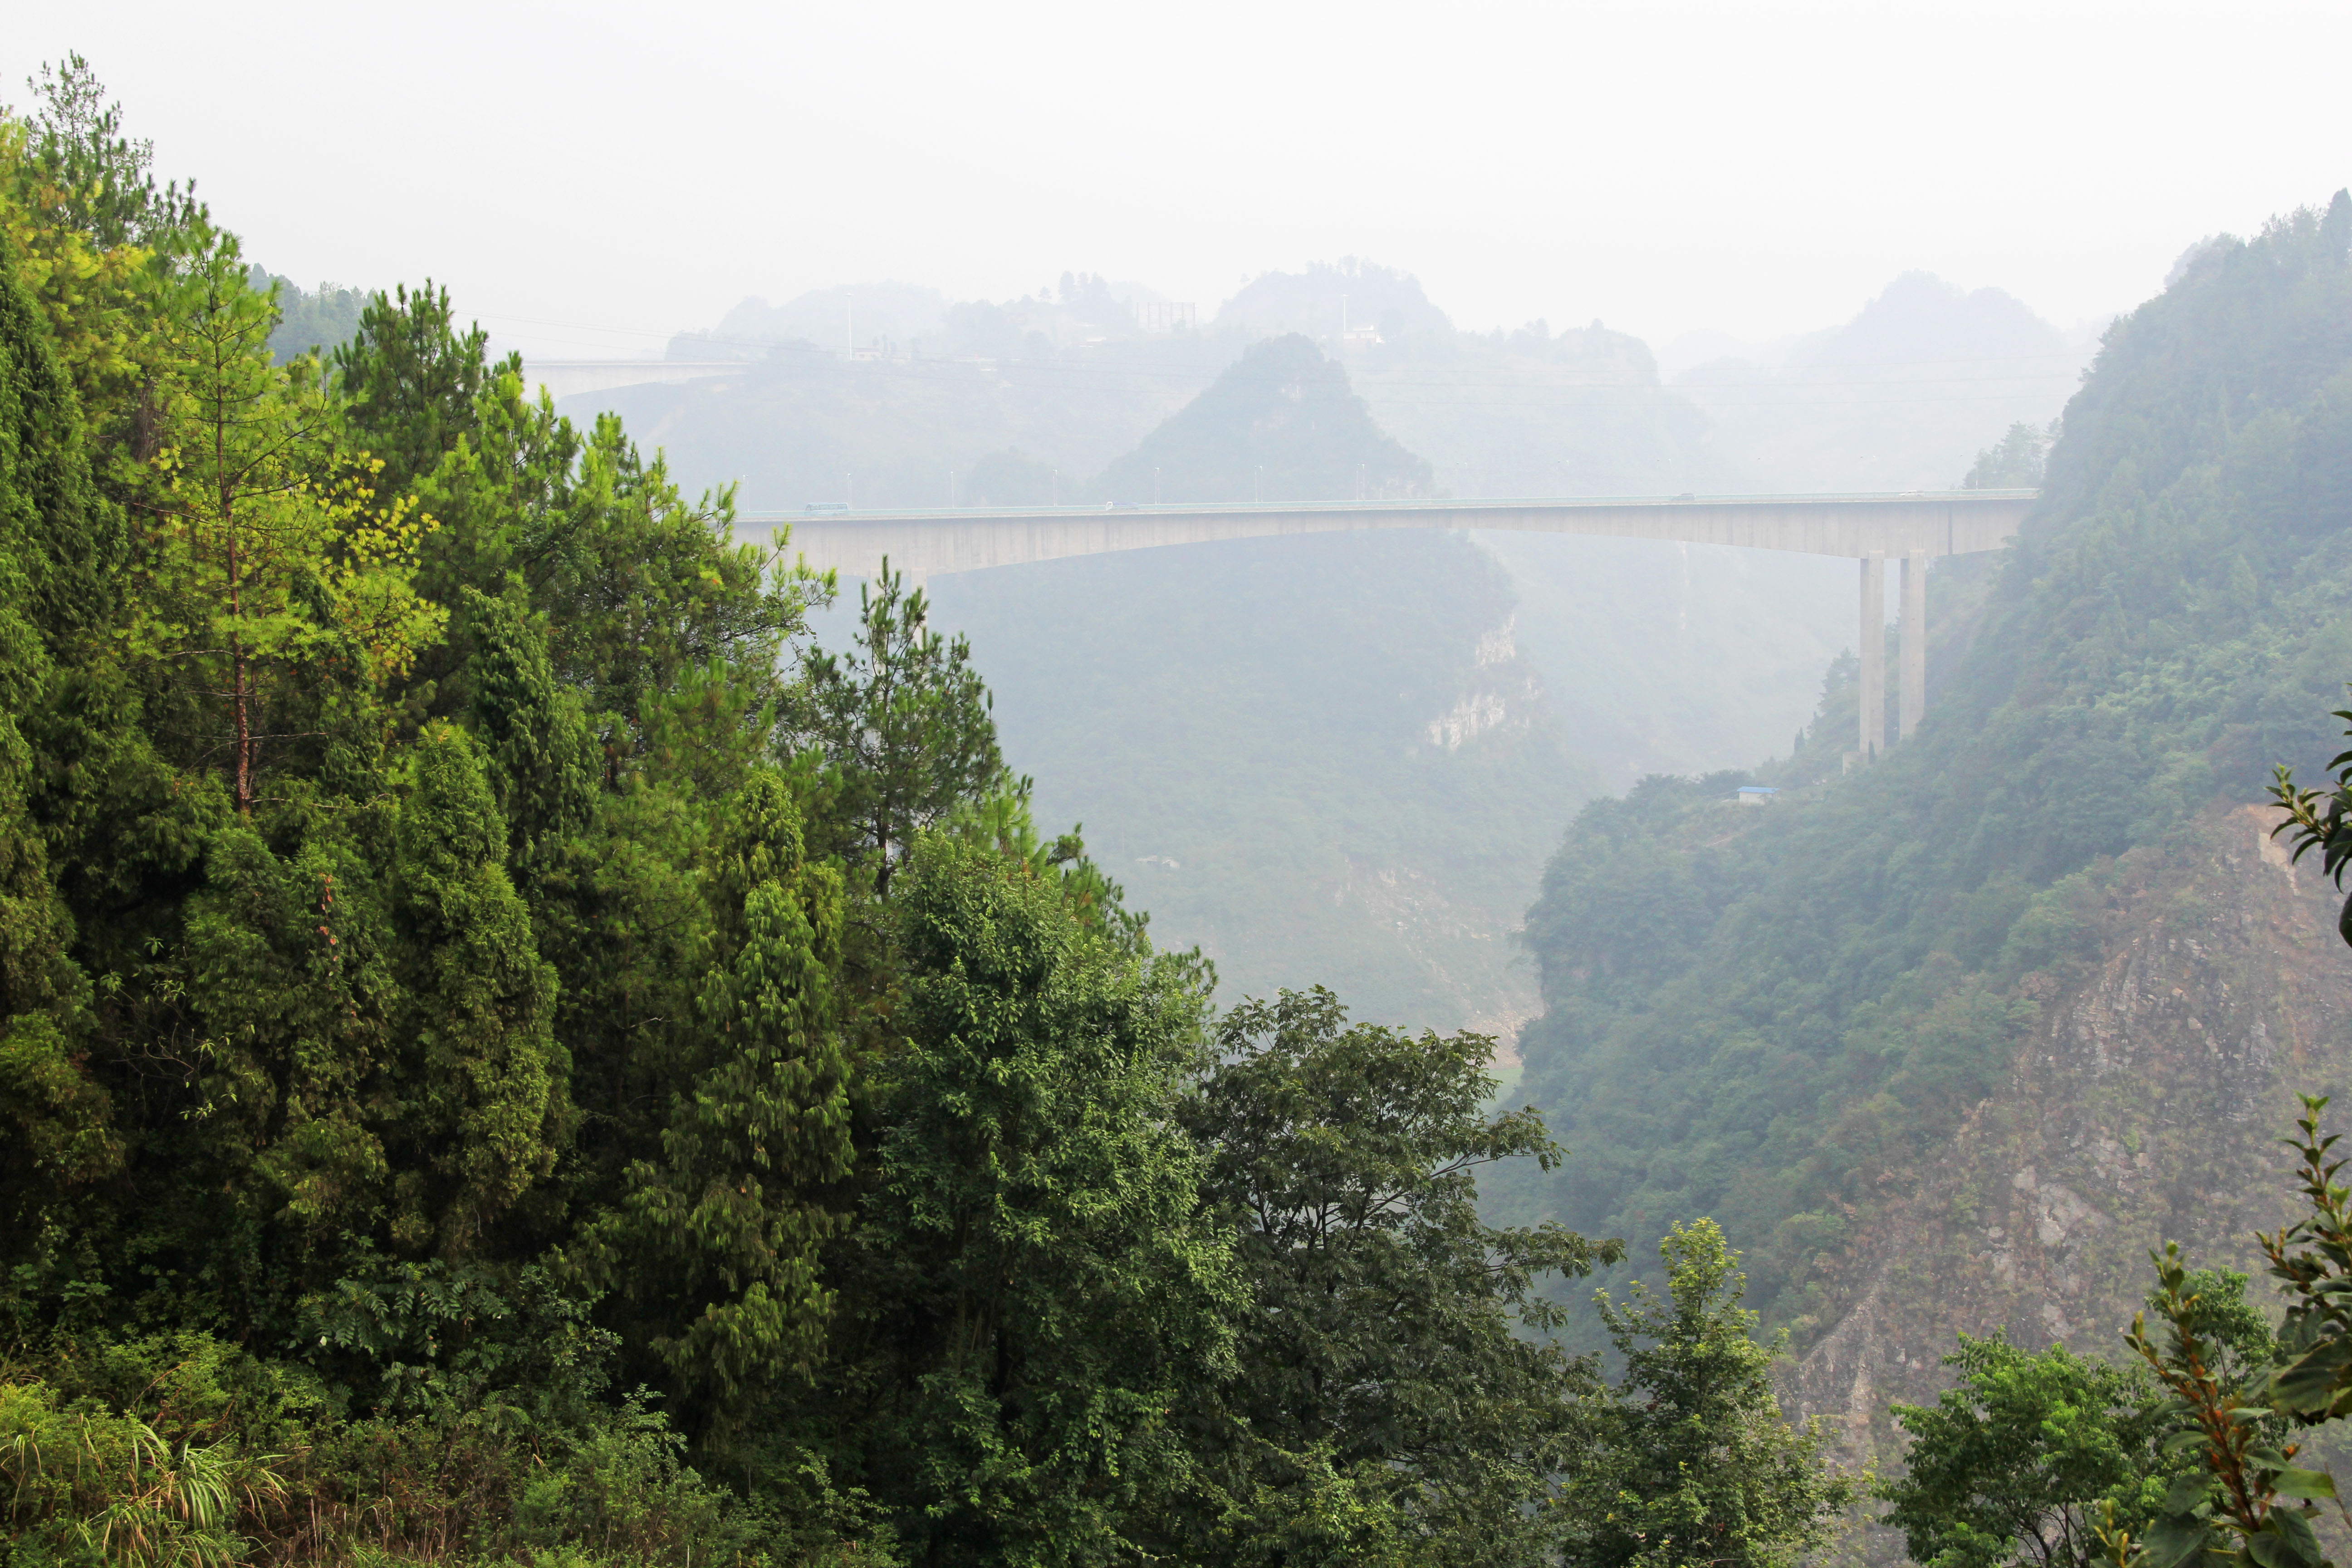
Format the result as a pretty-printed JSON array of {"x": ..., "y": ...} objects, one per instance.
[{"x": 927, "y": 543}]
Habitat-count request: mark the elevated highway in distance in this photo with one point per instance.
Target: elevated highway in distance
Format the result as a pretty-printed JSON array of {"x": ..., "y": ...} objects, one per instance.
[{"x": 1912, "y": 528}]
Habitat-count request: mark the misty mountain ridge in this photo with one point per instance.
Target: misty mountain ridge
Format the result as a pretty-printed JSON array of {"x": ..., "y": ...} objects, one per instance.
[
  {"x": 1351, "y": 297},
  {"x": 1281, "y": 423},
  {"x": 1901, "y": 395},
  {"x": 907, "y": 320},
  {"x": 834, "y": 318}
]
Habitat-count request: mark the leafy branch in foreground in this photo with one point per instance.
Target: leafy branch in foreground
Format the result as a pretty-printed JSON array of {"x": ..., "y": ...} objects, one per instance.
[
  {"x": 2248, "y": 1486},
  {"x": 2321, "y": 819},
  {"x": 2313, "y": 1260}
]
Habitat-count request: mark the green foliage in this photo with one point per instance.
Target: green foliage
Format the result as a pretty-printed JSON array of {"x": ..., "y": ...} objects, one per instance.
[
  {"x": 1047, "y": 1280},
  {"x": 2027, "y": 1458},
  {"x": 180, "y": 1448},
  {"x": 54, "y": 553},
  {"x": 490, "y": 1082},
  {"x": 2013, "y": 462},
  {"x": 413, "y": 379},
  {"x": 78, "y": 148},
  {"x": 107, "y": 1488},
  {"x": 543, "y": 763},
  {"x": 2311, "y": 1260},
  {"x": 2247, "y": 1499},
  {"x": 64, "y": 542},
  {"x": 268, "y": 565},
  {"x": 902, "y": 722},
  {"x": 2321, "y": 820},
  {"x": 1381, "y": 1397},
  {"x": 1691, "y": 1460},
  {"x": 720, "y": 1231}
]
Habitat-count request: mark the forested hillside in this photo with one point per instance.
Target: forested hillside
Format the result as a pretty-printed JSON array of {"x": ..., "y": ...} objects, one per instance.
[
  {"x": 510, "y": 1054},
  {"x": 1779, "y": 1017}
]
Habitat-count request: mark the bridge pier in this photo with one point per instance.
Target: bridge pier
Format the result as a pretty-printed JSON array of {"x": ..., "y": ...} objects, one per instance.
[
  {"x": 1873, "y": 648},
  {"x": 1914, "y": 640}
]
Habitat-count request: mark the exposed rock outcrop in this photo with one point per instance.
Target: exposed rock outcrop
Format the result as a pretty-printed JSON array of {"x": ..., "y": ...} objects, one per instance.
[{"x": 2145, "y": 1105}]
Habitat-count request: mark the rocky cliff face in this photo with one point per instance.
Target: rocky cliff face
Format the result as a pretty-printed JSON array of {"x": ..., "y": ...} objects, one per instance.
[{"x": 2145, "y": 1105}]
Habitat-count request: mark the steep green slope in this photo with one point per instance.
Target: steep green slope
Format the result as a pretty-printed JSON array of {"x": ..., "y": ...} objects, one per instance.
[
  {"x": 1766, "y": 1015},
  {"x": 2217, "y": 991}
]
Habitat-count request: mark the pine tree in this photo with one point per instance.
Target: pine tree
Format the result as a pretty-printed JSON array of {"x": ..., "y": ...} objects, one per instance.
[
  {"x": 1691, "y": 1460},
  {"x": 52, "y": 590},
  {"x": 717, "y": 1240},
  {"x": 903, "y": 723},
  {"x": 57, "y": 1129},
  {"x": 488, "y": 1083},
  {"x": 413, "y": 380},
  {"x": 275, "y": 580},
  {"x": 541, "y": 757}
]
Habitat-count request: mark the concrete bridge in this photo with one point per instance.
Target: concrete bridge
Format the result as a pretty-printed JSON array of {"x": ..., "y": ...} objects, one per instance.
[
  {"x": 562, "y": 378},
  {"x": 1873, "y": 529}
]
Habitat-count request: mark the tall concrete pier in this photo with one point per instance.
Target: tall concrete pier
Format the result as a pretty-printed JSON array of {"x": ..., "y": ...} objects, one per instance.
[
  {"x": 1911, "y": 528},
  {"x": 1871, "y": 689},
  {"x": 1914, "y": 640}
]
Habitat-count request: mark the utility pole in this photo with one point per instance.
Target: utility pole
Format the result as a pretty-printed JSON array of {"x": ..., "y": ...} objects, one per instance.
[
  {"x": 1155, "y": 487},
  {"x": 849, "y": 490}
]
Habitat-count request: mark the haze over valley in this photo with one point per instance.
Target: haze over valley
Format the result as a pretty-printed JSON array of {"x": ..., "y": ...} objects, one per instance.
[
  {"x": 1231, "y": 801},
  {"x": 1594, "y": 815}
]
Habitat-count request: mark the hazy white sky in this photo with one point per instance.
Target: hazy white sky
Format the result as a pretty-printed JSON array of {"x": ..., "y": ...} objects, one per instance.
[{"x": 588, "y": 176}]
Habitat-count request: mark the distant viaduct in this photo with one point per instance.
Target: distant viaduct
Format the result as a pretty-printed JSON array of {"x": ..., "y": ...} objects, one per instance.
[{"x": 1871, "y": 529}]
